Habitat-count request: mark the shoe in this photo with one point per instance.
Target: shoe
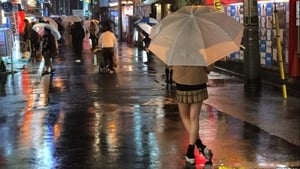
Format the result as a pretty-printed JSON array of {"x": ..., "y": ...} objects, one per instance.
[
  {"x": 208, "y": 165},
  {"x": 190, "y": 160},
  {"x": 207, "y": 153},
  {"x": 111, "y": 71}
]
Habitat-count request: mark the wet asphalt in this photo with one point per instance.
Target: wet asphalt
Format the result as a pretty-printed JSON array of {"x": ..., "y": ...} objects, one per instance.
[{"x": 129, "y": 120}]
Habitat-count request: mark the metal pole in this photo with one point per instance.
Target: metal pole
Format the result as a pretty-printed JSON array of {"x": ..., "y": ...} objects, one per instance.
[
  {"x": 163, "y": 9},
  {"x": 279, "y": 55},
  {"x": 298, "y": 41},
  {"x": 120, "y": 21},
  {"x": 298, "y": 26},
  {"x": 252, "y": 79}
]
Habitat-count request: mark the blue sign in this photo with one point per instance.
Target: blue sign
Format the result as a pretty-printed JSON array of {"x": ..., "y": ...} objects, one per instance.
[{"x": 7, "y": 6}]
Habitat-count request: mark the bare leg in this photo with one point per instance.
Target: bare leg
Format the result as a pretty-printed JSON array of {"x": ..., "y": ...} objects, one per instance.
[
  {"x": 184, "y": 110},
  {"x": 189, "y": 114},
  {"x": 194, "y": 119}
]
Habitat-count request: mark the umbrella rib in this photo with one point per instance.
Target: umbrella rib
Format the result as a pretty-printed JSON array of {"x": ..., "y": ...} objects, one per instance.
[
  {"x": 195, "y": 36},
  {"x": 176, "y": 39},
  {"x": 228, "y": 24}
]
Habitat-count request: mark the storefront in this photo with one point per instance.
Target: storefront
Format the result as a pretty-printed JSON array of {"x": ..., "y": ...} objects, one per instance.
[
  {"x": 12, "y": 25},
  {"x": 267, "y": 34}
]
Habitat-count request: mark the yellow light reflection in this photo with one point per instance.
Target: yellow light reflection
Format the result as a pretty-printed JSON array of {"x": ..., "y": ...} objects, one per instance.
[
  {"x": 58, "y": 82},
  {"x": 27, "y": 89},
  {"x": 38, "y": 136},
  {"x": 112, "y": 133}
]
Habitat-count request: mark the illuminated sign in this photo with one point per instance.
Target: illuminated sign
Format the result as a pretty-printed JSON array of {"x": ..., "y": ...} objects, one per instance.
[{"x": 218, "y": 5}]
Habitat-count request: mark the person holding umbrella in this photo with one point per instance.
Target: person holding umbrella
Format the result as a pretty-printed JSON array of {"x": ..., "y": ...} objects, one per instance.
[
  {"x": 147, "y": 41},
  {"x": 191, "y": 91},
  {"x": 93, "y": 30},
  {"x": 49, "y": 50},
  {"x": 191, "y": 40},
  {"x": 78, "y": 35}
]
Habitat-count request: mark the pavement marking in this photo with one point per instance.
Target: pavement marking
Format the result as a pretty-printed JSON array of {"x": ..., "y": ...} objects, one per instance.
[
  {"x": 43, "y": 95},
  {"x": 40, "y": 71},
  {"x": 40, "y": 90},
  {"x": 159, "y": 101}
]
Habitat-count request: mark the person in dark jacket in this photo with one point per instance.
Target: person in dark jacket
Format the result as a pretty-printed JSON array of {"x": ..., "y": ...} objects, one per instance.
[
  {"x": 48, "y": 50},
  {"x": 78, "y": 34},
  {"x": 35, "y": 40},
  {"x": 147, "y": 41}
]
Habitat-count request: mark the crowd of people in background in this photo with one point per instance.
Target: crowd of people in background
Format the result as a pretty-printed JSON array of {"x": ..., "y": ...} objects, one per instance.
[{"x": 72, "y": 35}]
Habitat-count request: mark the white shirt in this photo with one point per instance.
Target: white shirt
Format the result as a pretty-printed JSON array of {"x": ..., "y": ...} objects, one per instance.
[{"x": 107, "y": 40}]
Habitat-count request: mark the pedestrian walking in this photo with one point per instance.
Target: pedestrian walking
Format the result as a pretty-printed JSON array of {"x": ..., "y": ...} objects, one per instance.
[
  {"x": 27, "y": 31},
  {"x": 108, "y": 44},
  {"x": 25, "y": 37},
  {"x": 147, "y": 41},
  {"x": 93, "y": 30},
  {"x": 191, "y": 91},
  {"x": 169, "y": 74},
  {"x": 78, "y": 35},
  {"x": 35, "y": 41},
  {"x": 49, "y": 50}
]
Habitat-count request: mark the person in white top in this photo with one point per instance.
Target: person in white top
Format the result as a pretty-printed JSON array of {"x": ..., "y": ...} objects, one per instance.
[{"x": 108, "y": 44}]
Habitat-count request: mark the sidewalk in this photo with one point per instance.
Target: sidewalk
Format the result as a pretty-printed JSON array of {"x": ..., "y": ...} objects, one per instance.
[
  {"x": 268, "y": 111},
  {"x": 270, "y": 77}
]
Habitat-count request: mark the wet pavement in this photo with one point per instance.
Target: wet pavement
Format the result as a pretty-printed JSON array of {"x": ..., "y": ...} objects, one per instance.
[{"x": 130, "y": 119}]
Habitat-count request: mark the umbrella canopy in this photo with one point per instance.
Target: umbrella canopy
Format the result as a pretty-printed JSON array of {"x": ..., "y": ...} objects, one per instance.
[
  {"x": 71, "y": 18},
  {"x": 148, "y": 20},
  {"x": 87, "y": 24},
  {"x": 40, "y": 28},
  {"x": 51, "y": 21},
  {"x": 195, "y": 36},
  {"x": 145, "y": 27}
]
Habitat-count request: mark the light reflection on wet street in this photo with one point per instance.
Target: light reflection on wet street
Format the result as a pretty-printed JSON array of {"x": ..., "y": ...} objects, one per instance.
[{"x": 125, "y": 120}]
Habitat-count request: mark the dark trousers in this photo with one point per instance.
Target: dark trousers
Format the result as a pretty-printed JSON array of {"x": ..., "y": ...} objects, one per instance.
[
  {"x": 94, "y": 40},
  {"x": 108, "y": 54},
  {"x": 77, "y": 47}
]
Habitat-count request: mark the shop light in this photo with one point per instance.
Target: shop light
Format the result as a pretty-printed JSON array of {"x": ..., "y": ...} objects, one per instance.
[
  {"x": 127, "y": 2},
  {"x": 112, "y": 4}
]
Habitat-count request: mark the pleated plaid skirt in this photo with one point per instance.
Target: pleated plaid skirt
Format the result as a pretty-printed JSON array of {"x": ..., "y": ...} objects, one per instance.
[{"x": 192, "y": 96}]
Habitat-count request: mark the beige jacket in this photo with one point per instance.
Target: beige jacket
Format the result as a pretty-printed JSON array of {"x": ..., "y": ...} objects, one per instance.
[
  {"x": 107, "y": 40},
  {"x": 191, "y": 75}
]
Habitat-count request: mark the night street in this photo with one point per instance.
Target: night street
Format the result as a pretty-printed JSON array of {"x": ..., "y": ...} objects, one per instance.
[{"x": 130, "y": 120}]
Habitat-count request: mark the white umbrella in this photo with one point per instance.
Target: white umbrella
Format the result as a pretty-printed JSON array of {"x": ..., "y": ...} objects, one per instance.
[
  {"x": 51, "y": 21},
  {"x": 40, "y": 28},
  {"x": 145, "y": 27},
  {"x": 87, "y": 24},
  {"x": 195, "y": 36},
  {"x": 71, "y": 18}
]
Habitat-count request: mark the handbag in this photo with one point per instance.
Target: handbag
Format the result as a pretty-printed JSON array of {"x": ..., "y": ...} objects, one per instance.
[{"x": 98, "y": 57}]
